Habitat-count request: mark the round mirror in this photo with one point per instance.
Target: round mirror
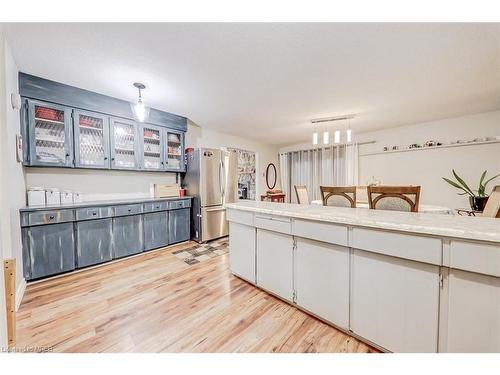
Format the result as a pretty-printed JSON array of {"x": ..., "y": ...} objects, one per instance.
[{"x": 271, "y": 176}]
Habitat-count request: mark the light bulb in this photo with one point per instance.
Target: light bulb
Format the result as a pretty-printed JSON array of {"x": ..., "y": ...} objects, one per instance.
[
  {"x": 337, "y": 136},
  {"x": 326, "y": 137},
  {"x": 349, "y": 135},
  {"x": 140, "y": 111},
  {"x": 315, "y": 138}
]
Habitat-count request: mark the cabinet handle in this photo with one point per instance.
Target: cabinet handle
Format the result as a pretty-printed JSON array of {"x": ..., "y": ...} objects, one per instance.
[
  {"x": 67, "y": 154},
  {"x": 105, "y": 158},
  {"x": 52, "y": 217},
  {"x": 129, "y": 209},
  {"x": 112, "y": 159},
  {"x": 94, "y": 213}
]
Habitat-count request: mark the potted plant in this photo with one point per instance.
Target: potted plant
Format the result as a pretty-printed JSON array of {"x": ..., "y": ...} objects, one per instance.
[{"x": 477, "y": 198}]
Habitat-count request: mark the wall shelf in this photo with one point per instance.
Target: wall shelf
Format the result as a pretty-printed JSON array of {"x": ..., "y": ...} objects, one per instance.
[{"x": 432, "y": 147}]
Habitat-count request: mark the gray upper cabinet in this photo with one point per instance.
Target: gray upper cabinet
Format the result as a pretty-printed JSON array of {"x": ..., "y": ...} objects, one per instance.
[
  {"x": 91, "y": 132},
  {"x": 124, "y": 144},
  {"x": 152, "y": 145},
  {"x": 174, "y": 150},
  {"x": 50, "y": 134}
]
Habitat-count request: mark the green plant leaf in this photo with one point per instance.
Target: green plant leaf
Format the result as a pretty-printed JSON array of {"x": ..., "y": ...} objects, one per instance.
[
  {"x": 482, "y": 187},
  {"x": 454, "y": 184},
  {"x": 487, "y": 181},
  {"x": 462, "y": 182}
]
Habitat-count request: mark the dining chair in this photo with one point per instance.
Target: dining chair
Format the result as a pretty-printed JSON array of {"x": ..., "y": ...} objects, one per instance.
[
  {"x": 338, "y": 196},
  {"x": 394, "y": 198},
  {"x": 302, "y": 195},
  {"x": 492, "y": 208}
]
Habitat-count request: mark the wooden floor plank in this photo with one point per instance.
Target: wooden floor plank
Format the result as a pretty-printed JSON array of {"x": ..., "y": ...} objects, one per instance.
[{"x": 155, "y": 302}]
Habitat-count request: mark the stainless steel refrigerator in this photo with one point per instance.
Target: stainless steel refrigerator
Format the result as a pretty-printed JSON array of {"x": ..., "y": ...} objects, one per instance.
[{"x": 212, "y": 179}]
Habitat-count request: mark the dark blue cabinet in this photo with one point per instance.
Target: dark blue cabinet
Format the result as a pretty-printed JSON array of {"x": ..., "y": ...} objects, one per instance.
[
  {"x": 51, "y": 249},
  {"x": 94, "y": 242},
  {"x": 127, "y": 236},
  {"x": 178, "y": 225},
  {"x": 155, "y": 230}
]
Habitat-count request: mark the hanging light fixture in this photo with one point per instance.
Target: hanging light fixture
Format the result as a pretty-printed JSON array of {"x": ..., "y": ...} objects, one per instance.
[
  {"x": 315, "y": 136},
  {"x": 336, "y": 134},
  {"x": 140, "y": 110},
  {"x": 326, "y": 136},
  {"x": 348, "y": 132}
]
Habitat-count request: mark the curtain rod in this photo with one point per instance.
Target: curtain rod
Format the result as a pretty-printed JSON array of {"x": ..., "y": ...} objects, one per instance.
[{"x": 328, "y": 146}]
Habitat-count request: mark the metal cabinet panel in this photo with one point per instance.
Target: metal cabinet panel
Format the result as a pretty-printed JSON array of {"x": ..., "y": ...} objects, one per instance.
[
  {"x": 128, "y": 209},
  {"x": 155, "y": 230},
  {"x": 152, "y": 155},
  {"x": 127, "y": 235},
  {"x": 94, "y": 242},
  {"x": 174, "y": 150},
  {"x": 124, "y": 144},
  {"x": 184, "y": 203},
  {"x": 155, "y": 206},
  {"x": 50, "y": 217},
  {"x": 50, "y": 133},
  {"x": 51, "y": 249},
  {"x": 91, "y": 213},
  {"x": 178, "y": 225},
  {"x": 91, "y": 132}
]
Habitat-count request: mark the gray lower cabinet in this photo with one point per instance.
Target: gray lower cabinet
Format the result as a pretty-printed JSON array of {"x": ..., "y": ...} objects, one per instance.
[
  {"x": 155, "y": 230},
  {"x": 94, "y": 242},
  {"x": 178, "y": 225},
  {"x": 127, "y": 235},
  {"x": 51, "y": 250}
]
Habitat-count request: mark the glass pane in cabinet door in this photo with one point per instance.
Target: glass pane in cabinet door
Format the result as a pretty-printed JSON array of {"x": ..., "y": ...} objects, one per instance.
[
  {"x": 174, "y": 150},
  {"x": 124, "y": 142},
  {"x": 152, "y": 150},
  {"x": 50, "y": 135},
  {"x": 91, "y": 140}
]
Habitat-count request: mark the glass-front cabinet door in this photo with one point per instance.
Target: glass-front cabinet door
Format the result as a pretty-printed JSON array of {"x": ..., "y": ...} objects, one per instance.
[
  {"x": 151, "y": 147},
  {"x": 124, "y": 144},
  {"x": 174, "y": 150},
  {"x": 50, "y": 134},
  {"x": 91, "y": 139}
]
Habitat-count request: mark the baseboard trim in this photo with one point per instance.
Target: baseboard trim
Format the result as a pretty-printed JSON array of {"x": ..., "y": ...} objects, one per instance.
[{"x": 21, "y": 288}]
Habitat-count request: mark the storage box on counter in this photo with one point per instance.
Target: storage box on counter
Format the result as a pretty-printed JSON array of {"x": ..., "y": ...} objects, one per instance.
[{"x": 164, "y": 191}]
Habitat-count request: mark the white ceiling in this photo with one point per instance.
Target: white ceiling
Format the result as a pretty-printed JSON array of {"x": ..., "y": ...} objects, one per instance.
[{"x": 266, "y": 81}]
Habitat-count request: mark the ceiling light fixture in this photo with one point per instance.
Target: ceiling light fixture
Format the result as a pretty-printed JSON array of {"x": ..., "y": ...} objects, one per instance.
[
  {"x": 140, "y": 110},
  {"x": 336, "y": 134}
]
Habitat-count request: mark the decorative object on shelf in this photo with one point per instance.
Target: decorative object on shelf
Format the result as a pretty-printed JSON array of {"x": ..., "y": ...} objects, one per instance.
[
  {"x": 271, "y": 176},
  {"x": 414, "y": 145},
  {"x": 336, "y": 133},
  {"x": 477, "y": 198},
  {"x": 432, "y": 144},
  {"x": 141, "y": 112}
]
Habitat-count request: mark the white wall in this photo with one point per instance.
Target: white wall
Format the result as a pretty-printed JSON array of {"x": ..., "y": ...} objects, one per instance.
[
  {"x": 4, "y": 212},
  {"x": 200, "y": 137},
  {"x": 427, "y": 167}
]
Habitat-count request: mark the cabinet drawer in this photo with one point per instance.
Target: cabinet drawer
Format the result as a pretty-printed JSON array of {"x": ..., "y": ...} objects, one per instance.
[
  {"x": 90, "y": 213},
  {"x": 325, "y": 232},
  {"x": 273, "y": 223},
  {"x": 475, "y": 257},
  {"x": 185, "y": 203},
  {"x": 419, "y": 248},
  {"x": 50, "y": 217},
  {"x": 131, "y": 209},
  {"x": 242, "y": 217},
  {"x": 155, "y": 206}
]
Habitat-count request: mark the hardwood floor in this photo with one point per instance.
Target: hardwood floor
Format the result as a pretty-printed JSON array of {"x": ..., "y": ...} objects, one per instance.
[{"x": 155, "y": 302}]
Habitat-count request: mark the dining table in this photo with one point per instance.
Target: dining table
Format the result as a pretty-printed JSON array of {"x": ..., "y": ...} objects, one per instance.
[{"x": 427, "y": 208}]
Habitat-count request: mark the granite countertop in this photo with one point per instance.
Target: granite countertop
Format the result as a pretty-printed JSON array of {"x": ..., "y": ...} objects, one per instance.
[
  {"x": 464, "y": 227},
  {"x": 99, "y": 203}
]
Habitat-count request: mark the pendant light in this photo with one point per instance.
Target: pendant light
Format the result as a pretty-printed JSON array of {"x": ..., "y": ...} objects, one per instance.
[
  {"x": 140, "y": 110},
  {"x": 315, "y": 136},
  {"x": 326, "y": 136},
  {"x": 348, "y": 132},
  {"x": 336, "y": 137}
]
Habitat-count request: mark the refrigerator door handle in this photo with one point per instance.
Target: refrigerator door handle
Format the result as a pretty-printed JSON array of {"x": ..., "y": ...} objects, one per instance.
[
  {"x": 224, "y": 182},
  {"x": 221, "y": 179},
  {"x": 215, "y": 209}
]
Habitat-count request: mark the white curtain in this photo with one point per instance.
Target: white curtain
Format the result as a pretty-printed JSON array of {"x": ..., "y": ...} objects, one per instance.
[{"x": 331, "y": 166}]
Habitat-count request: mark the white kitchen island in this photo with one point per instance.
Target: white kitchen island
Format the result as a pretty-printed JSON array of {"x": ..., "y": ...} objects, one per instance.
[{"x": 403, "y": 282}]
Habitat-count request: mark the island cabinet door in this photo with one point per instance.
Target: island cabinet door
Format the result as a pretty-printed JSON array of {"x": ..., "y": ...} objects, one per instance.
[
  {"x": 242, "y": 250},
  {"x": 395, "y": 302},
  {"x": 322, "y": 280},
  {"x": 275, "y": 263},
  {"x": 473, "y": 312}
]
